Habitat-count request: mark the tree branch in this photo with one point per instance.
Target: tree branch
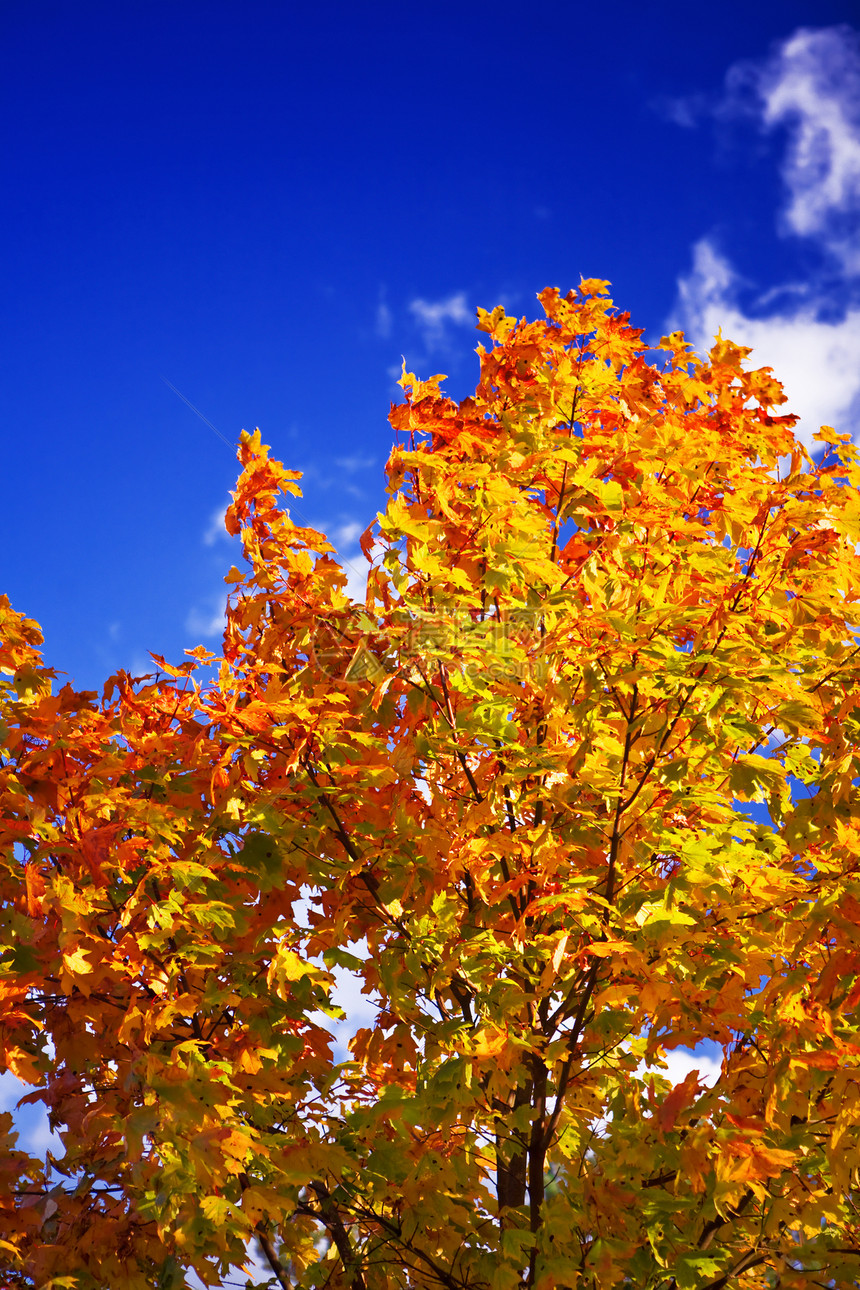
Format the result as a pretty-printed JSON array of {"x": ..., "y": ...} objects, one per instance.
[
  {"x": 333, "y": 1221},
  {"x": 273, "y": 1261}
]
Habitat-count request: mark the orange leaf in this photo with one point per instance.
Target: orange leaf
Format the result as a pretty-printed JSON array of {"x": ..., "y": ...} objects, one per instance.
[{"x": 681, "y": 1096}]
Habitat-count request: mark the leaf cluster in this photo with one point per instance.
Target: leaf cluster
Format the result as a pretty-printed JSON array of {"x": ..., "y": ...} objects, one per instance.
[{"x": 610, "y": 602}]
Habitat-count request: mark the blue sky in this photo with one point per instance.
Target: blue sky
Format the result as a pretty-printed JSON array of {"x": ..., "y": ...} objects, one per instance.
[{"x": 269, "y": 204}]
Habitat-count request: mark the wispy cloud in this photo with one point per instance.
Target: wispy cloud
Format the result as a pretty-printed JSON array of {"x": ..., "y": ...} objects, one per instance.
[
  {"x": 809, "y": 88},
  {"x": 817, "y": 360},
  {"x": 434, "y": 316},
  {"x": 351, "y": 465},
  {"x": 680, "y": 1061},
  {"x": 215, "y": 529},
  {"x": 687, "y": 111},
  {"x": 383, "y": 320},
  {"x": 347, "y": 535},
  {"x": 338, "y": 473},
  {"x": 205, "y": 620},
  {"x": 356, "y": 580},
  {"x": 31, "y": 1122}
]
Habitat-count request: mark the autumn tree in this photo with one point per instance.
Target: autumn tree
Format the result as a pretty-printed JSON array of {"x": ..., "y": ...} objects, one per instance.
[{"x": 611, "y": 603}]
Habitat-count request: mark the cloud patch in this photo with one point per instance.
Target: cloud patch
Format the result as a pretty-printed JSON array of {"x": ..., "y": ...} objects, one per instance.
[
  {"x": 808, "y": 89},
  {"x": 383, "y": 321},
  {"x": 30, "y": 1122},
  {"x": 206, "y": 622},
  {"x": 345, "y": 537},
  {"x": 215, "y": 529},
  {"x": 811, "y": 87},
  {"x": 680, "y": 1061},
  {"x": 435, "y": 316},
  {"x": 818, "y": 361},
  {"x": 686, "y": 111},
  {"x": 351, "y": 465}
]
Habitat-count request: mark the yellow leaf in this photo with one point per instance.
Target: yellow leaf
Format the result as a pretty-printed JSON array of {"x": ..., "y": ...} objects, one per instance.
[
  {"x": 77, "y": 962},
  {"x": 606, "y": 949},
  {"x": 489, "y": 1042},
  {"x": 23, "y": 1065},
  {"x": 291, "y": 967},
  {"x": 558, "y": 952}
]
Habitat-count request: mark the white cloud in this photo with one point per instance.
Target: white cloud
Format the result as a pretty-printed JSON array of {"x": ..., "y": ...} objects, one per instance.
[
  {"x": 31, "y": 1122},
  {"x": 808, "y": 88},
  {"x": 140, "y": 666},
  {"x": 679, "y": 1063},
  {"x": 334, "y": 473},
  {"x": 353, "y": 464},
  {"x": 686, "y": 111},
  {"x": 360, "y": 1009},
  {"x": 383, "y": 320},
  {"x": 811, "y": 86},
  {"x": 353, "y": 564},
  {"x": 11, "y": 1089},
  {"x": 818, "y": 361},
  {"x": 206, "y": 622},
  {"x": 433, "y": 317},
  {"x": 344, "y": 537},
  {"x": 215, "y": 528},
  {"x": 356, "y": 580},
  {"x": 348, "y": 534}
]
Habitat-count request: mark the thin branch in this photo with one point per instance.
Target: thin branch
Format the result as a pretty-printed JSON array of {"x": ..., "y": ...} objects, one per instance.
[
  {"x": 333, "y": 1221},
  {"x": 273, "y": 1261}
]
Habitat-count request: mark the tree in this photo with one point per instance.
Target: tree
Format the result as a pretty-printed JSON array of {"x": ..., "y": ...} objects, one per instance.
[{"x": 611, "y": 602}]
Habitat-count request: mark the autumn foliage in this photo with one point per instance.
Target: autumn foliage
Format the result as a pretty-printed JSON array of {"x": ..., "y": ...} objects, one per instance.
[{"x": 611, "y": 603}]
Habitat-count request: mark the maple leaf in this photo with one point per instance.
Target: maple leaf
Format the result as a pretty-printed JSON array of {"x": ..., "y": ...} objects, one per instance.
[{"x": 503, "y": 804}]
